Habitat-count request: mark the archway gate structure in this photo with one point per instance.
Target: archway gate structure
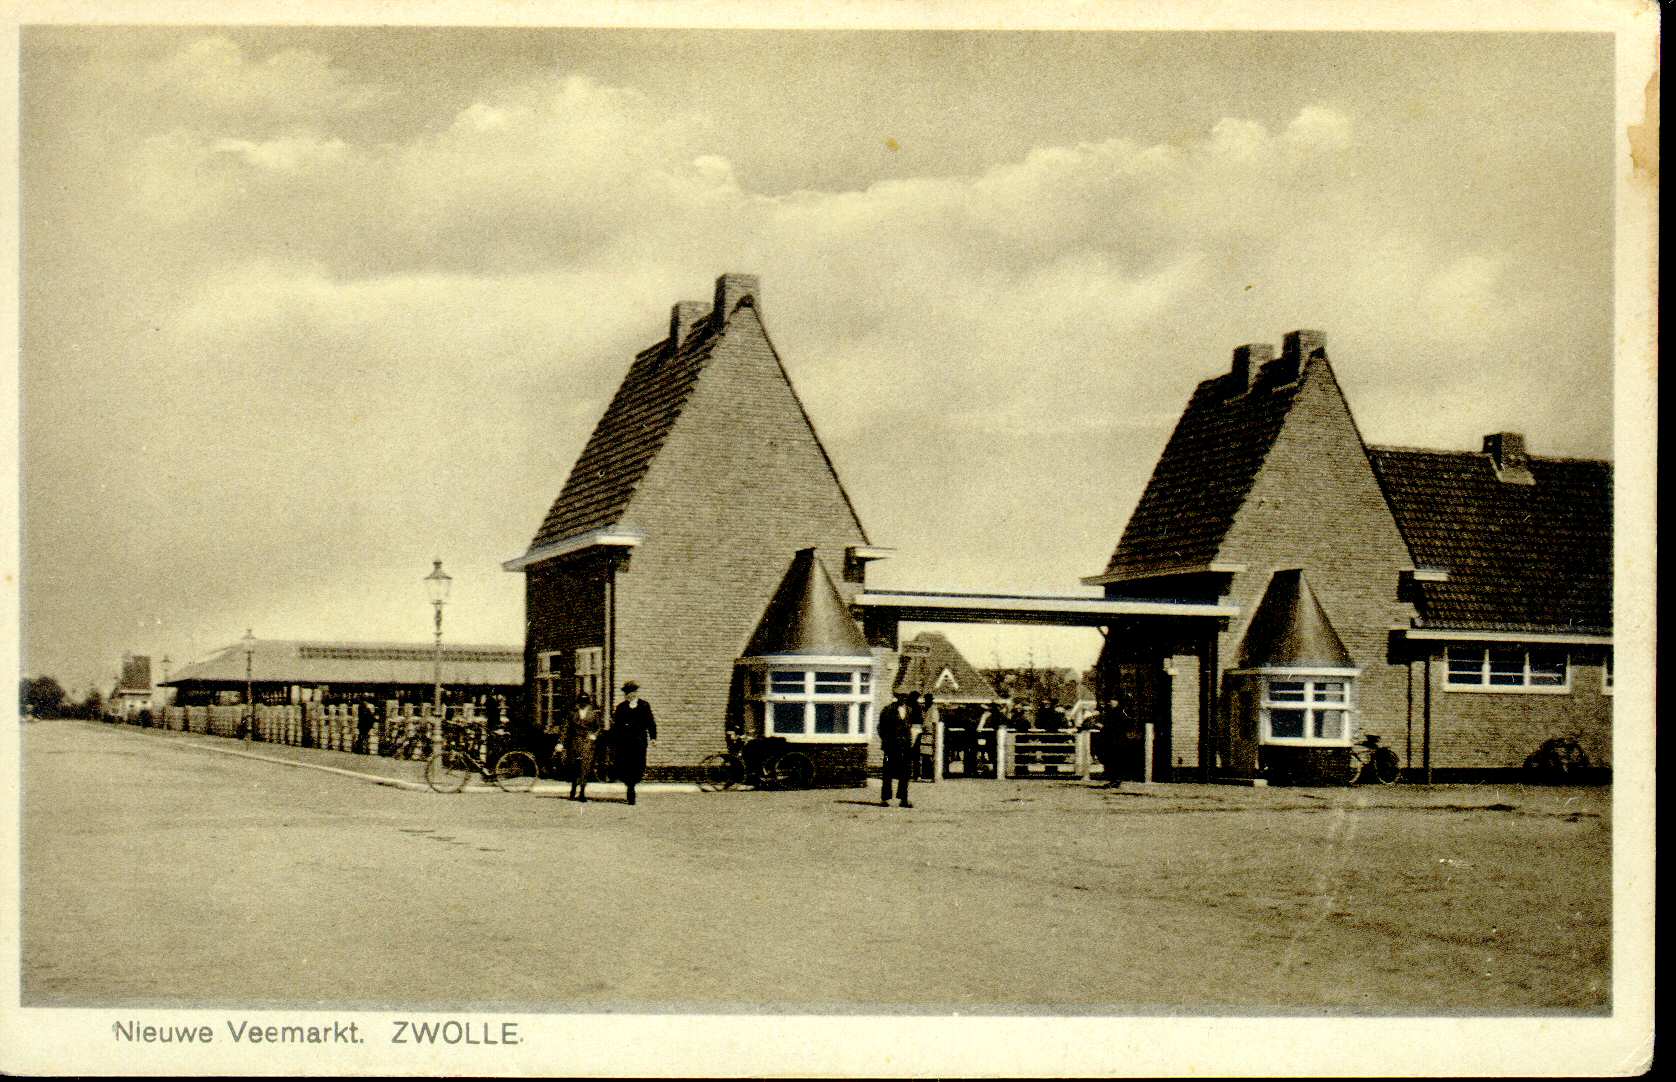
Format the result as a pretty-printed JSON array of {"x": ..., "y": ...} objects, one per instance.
[{"x": 1157, "y": 667}]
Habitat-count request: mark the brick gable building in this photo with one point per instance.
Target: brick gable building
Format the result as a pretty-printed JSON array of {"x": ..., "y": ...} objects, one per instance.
[
  {"x": 1432, "y": 572},
  {"x": 677, "y": 526},
  {"x": 132, "y": 692}
]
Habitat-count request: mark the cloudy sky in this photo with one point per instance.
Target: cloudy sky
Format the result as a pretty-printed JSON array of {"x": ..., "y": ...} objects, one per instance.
[{"x": 302, "y": 309}]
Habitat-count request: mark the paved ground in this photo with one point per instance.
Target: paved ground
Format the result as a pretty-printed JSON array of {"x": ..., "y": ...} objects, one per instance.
[{"x": 158, "y": 874}]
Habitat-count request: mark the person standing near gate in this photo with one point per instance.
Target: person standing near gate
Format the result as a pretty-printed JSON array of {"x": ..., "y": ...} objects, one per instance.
[
  {"x": 581, "y": 737},
  {"x": 632, "y": 726},
  {"x": 896, "y": 738}
]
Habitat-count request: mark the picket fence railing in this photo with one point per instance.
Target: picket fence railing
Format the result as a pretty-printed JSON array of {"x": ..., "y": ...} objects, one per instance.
[{"x": 313, "y": 725}]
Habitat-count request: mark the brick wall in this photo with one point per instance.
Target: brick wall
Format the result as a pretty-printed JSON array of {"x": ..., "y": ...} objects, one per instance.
[
  {"x": 1184, "y": 713},
  {"x": 740, "y": 485},
  {"x": 1483, "y": 730},
  {"x": 1316, "y": 504}
]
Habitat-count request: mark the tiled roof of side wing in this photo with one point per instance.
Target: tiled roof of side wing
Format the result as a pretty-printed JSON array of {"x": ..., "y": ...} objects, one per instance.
[
  {"x": 1519, "y": 557},
  {"x": 628, "y": 437},
  {"x": 1203, "y": 476}
]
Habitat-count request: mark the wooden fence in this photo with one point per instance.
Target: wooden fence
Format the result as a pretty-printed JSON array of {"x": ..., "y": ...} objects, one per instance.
[{"x": 313, "y": 725}]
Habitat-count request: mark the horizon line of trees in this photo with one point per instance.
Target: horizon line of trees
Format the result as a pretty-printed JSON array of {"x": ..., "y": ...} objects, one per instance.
[{"x": 45, "y": 697}]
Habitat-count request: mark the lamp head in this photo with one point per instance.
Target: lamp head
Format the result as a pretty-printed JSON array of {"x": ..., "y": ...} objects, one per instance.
[{"x": 437, "y": 583}]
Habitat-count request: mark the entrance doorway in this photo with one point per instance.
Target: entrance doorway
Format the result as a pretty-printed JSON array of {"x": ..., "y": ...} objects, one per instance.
[{"x": 1139, "y": 694}]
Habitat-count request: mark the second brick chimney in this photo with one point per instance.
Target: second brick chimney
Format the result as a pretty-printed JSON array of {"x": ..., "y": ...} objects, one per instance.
[
  {"x": 733, "y": 288},
  {"x": 1508, "y": 456}
]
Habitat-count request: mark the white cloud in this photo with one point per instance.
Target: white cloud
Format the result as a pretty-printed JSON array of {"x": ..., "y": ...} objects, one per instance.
[
  {"x": 213, "y": 77},
  {"x": 290, "y": 154},
  {"x": 1318, "y": 127}
]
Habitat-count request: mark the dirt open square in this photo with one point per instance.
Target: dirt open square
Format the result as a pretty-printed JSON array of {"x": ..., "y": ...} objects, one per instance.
[{"x": 159, "y": 874}]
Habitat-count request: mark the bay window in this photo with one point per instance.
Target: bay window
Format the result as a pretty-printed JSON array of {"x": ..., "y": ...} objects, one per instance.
[
  {"x": 1305, "y": 709},
  {"x": 826, "y": 700}
]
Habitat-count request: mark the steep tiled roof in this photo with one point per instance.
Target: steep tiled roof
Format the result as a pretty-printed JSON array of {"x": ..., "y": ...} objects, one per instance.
[
  {"x": 1205, "y": 472},
  {"x": 1519, "y": 557},
  {"x": 629, "y": 436},
  {"x": 136, "y": 675},
  {"x": 922, "y": 671}
]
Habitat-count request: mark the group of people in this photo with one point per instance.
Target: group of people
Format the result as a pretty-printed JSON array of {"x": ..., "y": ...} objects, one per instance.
[{"x": 577, "y": 738}]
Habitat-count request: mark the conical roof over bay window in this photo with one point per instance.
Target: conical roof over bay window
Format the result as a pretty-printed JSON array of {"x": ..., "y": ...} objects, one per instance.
[
  {"x": 808, "y": 669},
  {"x": 807, "y": 617},
  {"x": 1290, "y": 629}
]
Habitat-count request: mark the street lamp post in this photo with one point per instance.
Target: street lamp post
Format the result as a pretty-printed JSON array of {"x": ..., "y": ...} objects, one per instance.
[
  {"x": 437, "y": 583},
  {"x": 249, "y": 642}
]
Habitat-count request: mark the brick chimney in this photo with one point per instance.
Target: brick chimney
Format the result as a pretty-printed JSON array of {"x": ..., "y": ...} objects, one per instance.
[
  {"x": 1507, "y": 454},
  {"x": 1300, "y": 346},
  {"x": 1296, "y": 348},
  {"x": 1248, "y": 360},
  {"x": 733, "y": 288},
  {"x": 682, "y": 318}
]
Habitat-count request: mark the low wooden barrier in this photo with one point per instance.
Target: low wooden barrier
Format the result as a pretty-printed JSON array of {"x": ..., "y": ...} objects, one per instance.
[
  {"x": 1031, "y": 753},
  {"x": 335, "y": 727}
]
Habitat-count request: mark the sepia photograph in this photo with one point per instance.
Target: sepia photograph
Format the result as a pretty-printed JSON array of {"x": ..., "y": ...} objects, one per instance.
[{"x": 648, "y": 540}]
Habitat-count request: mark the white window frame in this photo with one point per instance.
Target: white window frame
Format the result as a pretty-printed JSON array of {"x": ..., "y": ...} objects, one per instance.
[
  {"x": 762, "y": 696},
  {"x": 1483, "y": 686},
  {"x": 547, "y": 688},
  {"x": 1309, "y": 704},
  {"x": 590, "y": 673}
]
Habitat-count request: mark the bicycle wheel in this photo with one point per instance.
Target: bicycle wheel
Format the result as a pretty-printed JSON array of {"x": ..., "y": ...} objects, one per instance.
[
  {"x": 515, "y": 772},
  {"x": 1566, "y": 759},
  {"x": 793, "y": 770},
  {"x": 447, "y": 771},
  {"x": 1385, "y": 767},
  {"x": 717, "y": 772}
]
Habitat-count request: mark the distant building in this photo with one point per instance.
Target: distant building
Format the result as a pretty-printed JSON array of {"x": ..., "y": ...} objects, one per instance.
[
  {"x": 704, "y": 547},
  {"x": 133, "y": 691},
  {"x": 932, "y": 664},
  {"x": 298, "y": 671},
  {"x": 1456, "y": 603}
]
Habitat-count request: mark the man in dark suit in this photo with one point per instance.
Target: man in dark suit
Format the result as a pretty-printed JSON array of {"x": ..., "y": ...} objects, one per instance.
[
  {"x": 896, "y": 737},
  {"x": 632, "y": 725}
]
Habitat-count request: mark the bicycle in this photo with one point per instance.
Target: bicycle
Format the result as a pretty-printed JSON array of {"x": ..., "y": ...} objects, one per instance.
[
  {"x": 1375, "y": 762},
  {"x": 1558, "y": 759},
  {"x": 765, "y": 763},
  {"x": 414, "y": 743},
  {"x": 449, "y": 769}
]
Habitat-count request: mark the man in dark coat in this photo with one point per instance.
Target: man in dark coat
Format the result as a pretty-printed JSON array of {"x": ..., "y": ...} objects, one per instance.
[
  {"x": 896, "y": 738},
  {"x": 580, "y": 738},
  {"x": 632, "y": 725},
  {"x": 366, "y": 720}
]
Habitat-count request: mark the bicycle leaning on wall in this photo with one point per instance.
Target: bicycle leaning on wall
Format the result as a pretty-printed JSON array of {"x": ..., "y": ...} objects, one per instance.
[
  {"x": 765, "y": 763},
  {"x": 449, "y": 769},
  {"x": 1372, "y": 761}
]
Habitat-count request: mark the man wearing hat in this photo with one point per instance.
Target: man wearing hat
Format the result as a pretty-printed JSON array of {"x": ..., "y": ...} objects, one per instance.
[
  {"x": 896, "y": 737},
  {"x": 632, "y": 725}
]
